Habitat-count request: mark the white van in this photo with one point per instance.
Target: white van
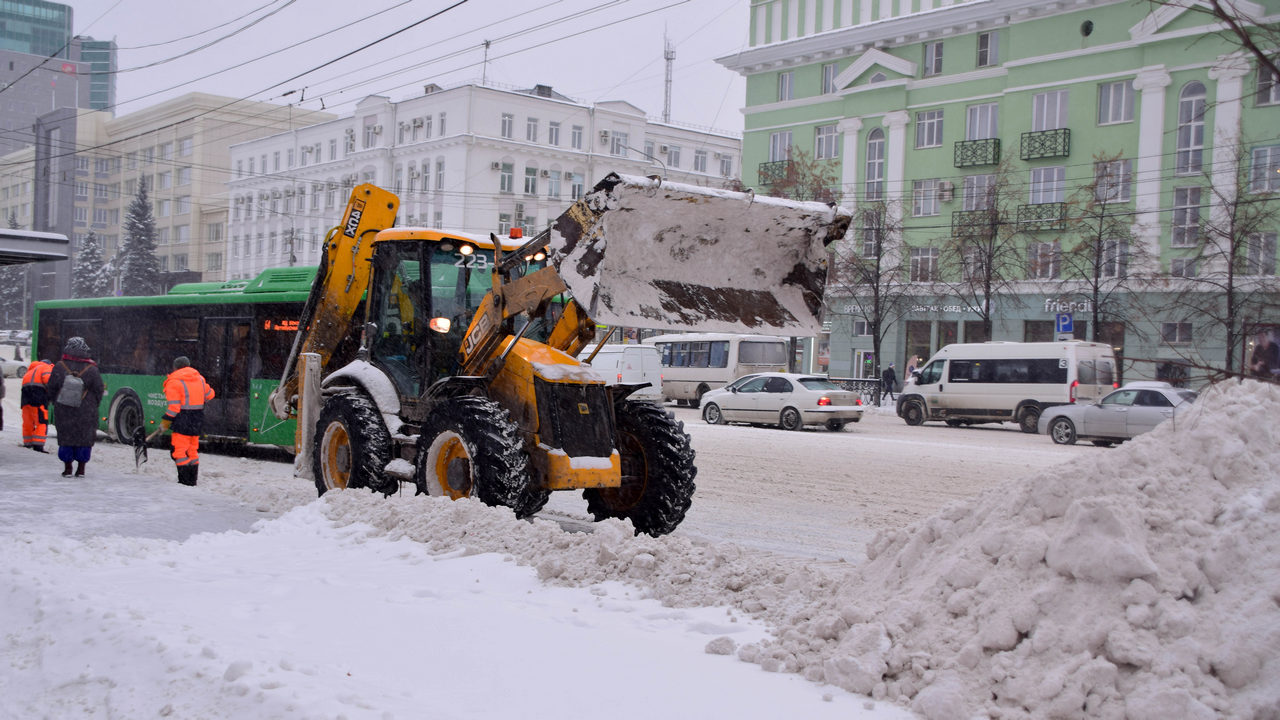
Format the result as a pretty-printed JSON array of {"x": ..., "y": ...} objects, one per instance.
[
  {"x": 969, "y": 383},
  {"x": 629, "y": 365}
]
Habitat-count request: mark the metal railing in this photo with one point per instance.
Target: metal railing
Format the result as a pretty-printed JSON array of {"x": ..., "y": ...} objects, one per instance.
[
  {"x": 1046, "y": 144},
  {"x": 972, "y": 153},
  {"x": 1042, "y": 216}
]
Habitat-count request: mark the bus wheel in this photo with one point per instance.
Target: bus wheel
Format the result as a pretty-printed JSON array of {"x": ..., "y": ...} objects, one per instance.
[
  {"x": 470, "y": 447},
  {"x": 352, "y": 446},
  {"x": 126, "y": 418},
  {"x": 657, "y": 472},
  {"x": 1029, "y": 419},
  {"x": 913, "y": 413},
  {"x": 697, "y": 400}
]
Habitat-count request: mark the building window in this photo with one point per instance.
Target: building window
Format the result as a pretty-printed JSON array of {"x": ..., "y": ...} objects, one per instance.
[
  {"x": 1268, "y": 88},
  {"x": 933, "y": 58},
  {"x": 825, "y": 146},
  {"x": 553, "y": 133},
  {"x": 785, "y": 90},
  {"x": 780, "y": 146},
  {"x": 700, "y": 161},
  {"x": 1190, "y": 129},
  {"x": 1115, "y": 102},
  {"x": 531, "y": 130},
  {"x": 577, "y": 186},
  {"x": 508, "y": 125},
  {"x": 439, "y": 175},
  {"x": 1186, "y": 216},
  {"x": 977, "y": 191},
  {"x": 929, "y": 129},
  {"x": 441, "y": 128},
  {"x": 673, "y": 156},
  {"x": 988, "y": 49},
  {"x": 531, "y": 181},
  {"x": 213, "y": 262},
  {"x": 182, "y": 205},
  {"x": 1115, "y": 259},
  {"x": 553, "y": 184},
  {"x": 1043, "y": 261},
  {"x": 184, "y": 176},
  {"x": 1260, "y": 254},
  {"x": 726, "y": 166},
  {"x": 829, "y": 72},
  {"x": 619, "y": 148},
  {"x": 924, "y": 197},
  {"x": 1112, "y": 180},
  {"x": 1182, "y": 267},
  {"x": 333, "y": 154},
  {"x": 1175, "y": 333},
  {"x": 982, "y": 121},
  {"x": 1048, "y": 185},
  {"x": 924, "y": 264},
  {"x": 872, "y": 235},
  {"x": 504, "y": 224},
  {"x": 1049, "y": 110},
  {"x": 875, "y": 165},
  {"x": 82, "y": 190},
  {"x": 165, "y": 151},
  {"x": 1264, "y": 172},
  {"x": 575, "y": 137},
  {"x": 506, "y": 178}
]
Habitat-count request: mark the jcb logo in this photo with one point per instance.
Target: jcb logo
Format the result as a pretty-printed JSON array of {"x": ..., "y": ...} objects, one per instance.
[
  {"x": 353, "y": 222},
  {"x": 584, "y": 409}
]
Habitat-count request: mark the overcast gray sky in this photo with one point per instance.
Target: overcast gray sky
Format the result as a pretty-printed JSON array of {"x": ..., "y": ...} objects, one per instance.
[{"x": 590, "y": 50}]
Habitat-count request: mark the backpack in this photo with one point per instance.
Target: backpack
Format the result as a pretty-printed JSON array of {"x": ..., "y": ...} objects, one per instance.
[{"x": 72, "y": 391}]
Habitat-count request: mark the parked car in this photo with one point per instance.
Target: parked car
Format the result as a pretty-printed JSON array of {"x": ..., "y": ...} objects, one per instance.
[
  {"x": 788, "y": 400},
  {"x": 12, "y": 368},
  {"x": 1123, "y": 414}
]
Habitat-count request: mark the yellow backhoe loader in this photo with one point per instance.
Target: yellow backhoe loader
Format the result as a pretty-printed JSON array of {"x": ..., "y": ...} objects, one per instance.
[{"x": 448, "y": 360}]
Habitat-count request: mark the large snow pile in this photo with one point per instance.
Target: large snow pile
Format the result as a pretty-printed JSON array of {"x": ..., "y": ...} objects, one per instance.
[{"x": 1139, "y": 583}]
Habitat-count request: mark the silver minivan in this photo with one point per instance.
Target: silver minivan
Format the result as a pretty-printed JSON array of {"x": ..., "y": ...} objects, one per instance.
[{"x": 629, "y": 365}]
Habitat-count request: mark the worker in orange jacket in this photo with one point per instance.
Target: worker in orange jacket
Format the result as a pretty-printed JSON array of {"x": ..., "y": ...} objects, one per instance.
[
  {"x": 35, "y": 405},
  {"x": 186, "y": 393}
]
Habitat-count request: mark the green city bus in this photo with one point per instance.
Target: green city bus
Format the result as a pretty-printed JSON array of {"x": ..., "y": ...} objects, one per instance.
[{"x": 237, "y": 334}]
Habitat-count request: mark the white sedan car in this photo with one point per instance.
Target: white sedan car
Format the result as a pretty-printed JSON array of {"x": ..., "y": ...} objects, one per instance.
[
  {"x": 788, "y": 400},
  {"x": 1121, "y": 415}
]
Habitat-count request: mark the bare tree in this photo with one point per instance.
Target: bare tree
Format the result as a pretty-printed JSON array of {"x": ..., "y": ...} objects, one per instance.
[
  {"x": 1228, "y": 274},
  {"x": 983, "y": 258},
  {"x": 802, "y": 177},
  {"x": 867, "y": 279},
  {"x": 1101, "y": 247},
  {"x": 1257, "y": 38}
]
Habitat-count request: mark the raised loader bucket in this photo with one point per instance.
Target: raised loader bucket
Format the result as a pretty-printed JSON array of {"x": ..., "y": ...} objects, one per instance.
[{"x": 642, "y": 252}]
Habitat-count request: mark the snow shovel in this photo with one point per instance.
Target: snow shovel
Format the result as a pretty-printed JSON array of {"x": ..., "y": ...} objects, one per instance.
[{"x": 140, "y": 440}]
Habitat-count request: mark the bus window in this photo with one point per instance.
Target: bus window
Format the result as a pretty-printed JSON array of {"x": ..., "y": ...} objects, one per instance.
[
  {"x": 762, "y": 353},
  {"x": 719, "y": 354}
]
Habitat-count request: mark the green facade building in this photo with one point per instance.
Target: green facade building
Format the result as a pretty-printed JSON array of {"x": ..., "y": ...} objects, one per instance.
[{"x": 1011, "y": 162}]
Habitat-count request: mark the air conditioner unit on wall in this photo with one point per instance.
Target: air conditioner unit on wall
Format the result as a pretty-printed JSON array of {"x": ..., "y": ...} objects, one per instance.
[
  {"x": 495, "y": 165},
  {"x": 545, "y": 173},
  {"x": 946, "y": 191},
  {"x": 417, "y": 122},
  {"x": 604, "y": 137},
  {"x": 414, "y": 174},
  {"x": 377, "y": 129},
  {"x": 663, "y": 149}
]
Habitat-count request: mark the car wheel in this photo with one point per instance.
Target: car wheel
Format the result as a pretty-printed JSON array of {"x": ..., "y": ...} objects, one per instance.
[
  {"x": 913, "y": 413},
  {"x": 790, "y": 419},
  {"x": 1103, "y": 443},
  {"x": 1029, "y": 420},
  {"x": 711, "y": 413},
  {"x": 1063, "y": 431},
  {"x": 835, "y": 425}
]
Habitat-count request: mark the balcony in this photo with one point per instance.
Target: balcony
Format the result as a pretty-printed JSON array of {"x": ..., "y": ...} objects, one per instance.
[
  {"x": 972, "y": 153},
  {"x": 1046, "y": 144},
  {"x": 771, "y": 172},
  {"x": 1043, "y": 216},
  {"x": 971, "y": 224}
]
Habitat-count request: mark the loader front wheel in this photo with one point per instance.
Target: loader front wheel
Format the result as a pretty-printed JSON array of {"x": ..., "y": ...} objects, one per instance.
[
  {"x": 657, "y": 472},
  {"x": 352, "y": 446},
  {"x": 469, "y": 447}
]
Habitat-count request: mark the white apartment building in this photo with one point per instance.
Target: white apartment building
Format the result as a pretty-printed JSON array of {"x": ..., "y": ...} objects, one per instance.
[{"x": 474, "y": 158}]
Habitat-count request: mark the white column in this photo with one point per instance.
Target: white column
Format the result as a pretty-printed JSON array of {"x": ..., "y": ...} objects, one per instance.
[
  {"x": 895, "y": 164},
  {"x": 1150, "y": 83},
  {"x": 1229, "y": 74},
  {"x": 849, "y": 128}
]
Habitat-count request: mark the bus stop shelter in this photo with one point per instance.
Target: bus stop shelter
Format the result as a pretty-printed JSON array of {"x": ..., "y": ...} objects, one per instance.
[{"x": 18, "y": 247}]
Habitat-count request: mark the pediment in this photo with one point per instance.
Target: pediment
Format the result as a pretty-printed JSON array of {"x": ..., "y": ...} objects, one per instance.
[
  {"x": 1164, "y": 15},
  {"x": 874, "y": 58}
]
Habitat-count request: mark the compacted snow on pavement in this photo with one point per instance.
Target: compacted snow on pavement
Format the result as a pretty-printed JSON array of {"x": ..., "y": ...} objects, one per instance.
[{"x": 1140, "y": 582}]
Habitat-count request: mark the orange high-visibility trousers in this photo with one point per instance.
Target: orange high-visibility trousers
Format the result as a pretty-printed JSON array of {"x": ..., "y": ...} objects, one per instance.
[
  {"x": 35, "y": 425},
  {"x": 186, "y": 450}
]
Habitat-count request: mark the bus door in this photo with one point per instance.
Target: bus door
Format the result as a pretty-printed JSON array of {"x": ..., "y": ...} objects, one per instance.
[{"x": 225, "y": 367}]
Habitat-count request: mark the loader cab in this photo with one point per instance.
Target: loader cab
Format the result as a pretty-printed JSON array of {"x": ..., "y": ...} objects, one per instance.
[{"x": 422, "y": 295}]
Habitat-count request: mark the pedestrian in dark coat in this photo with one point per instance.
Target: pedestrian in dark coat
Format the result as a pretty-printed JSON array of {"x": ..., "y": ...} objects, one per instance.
[
  {"x": 889, "y": 379},
  {"x": 77, "y": 424}
]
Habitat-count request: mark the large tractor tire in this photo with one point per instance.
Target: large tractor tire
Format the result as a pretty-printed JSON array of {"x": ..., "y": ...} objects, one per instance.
[
  {"x": 657, "y": 471},
  {"x": 352, "y": 446},
  {"x": 469, "y": 447}
]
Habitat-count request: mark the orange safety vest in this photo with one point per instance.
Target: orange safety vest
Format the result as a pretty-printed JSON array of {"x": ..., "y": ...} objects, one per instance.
[
  {"x": 185, "y": 389},
  {"x": 37, "y": 374}
]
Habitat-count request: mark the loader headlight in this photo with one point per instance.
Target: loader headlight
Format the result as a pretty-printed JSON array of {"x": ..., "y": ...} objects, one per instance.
[
  {"x": 466, "y": 249},
  {"x": 441, "y": 324}
]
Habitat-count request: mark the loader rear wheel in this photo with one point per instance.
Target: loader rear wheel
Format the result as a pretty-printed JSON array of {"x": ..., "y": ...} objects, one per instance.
[
  {"x": 352, "y": 446},
  {"x": 657, "y": 471},
  {"x": 469, "y": 447}
]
